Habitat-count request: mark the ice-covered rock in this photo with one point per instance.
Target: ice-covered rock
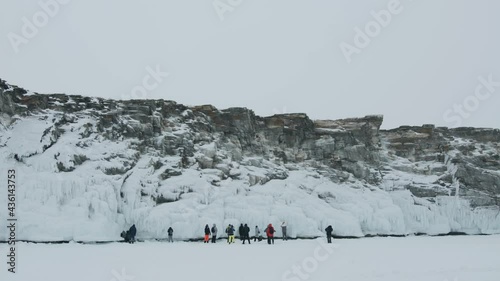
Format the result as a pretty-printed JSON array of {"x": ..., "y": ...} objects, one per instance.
[{"x": 88, "y": 168}]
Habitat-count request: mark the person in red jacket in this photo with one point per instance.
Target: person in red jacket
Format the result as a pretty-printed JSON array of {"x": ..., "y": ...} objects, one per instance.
[{"x": 270, "y": 234}]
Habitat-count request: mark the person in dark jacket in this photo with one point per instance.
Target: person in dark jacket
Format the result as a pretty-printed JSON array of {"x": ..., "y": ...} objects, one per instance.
[
  {"x": 329, "y": 230},
  {"x": 170, "y": 232},
  {"x": 241, "y": 231},
  {"x": 214, "y": 233},
  {"x": 246, "y": 233},
  {"x": 230, "y": 234},
  {"x": 207, "y": 234},
  {"x": 270, "y": 234},
  {"x": 130, "y": 234}
]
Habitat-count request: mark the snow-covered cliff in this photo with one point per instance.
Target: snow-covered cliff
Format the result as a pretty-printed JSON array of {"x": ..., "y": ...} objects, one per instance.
[{"x": 88, "y": 168}]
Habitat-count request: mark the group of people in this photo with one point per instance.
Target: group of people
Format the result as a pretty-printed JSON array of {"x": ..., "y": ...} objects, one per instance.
[
  {"x": 210, "y": 231},
  {"x": 243, "y": 230},
  {"x": 244, "y": 233}
]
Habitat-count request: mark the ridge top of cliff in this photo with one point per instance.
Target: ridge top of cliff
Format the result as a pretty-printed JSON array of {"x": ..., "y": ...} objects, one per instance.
[{"x": 23, "y": 101}]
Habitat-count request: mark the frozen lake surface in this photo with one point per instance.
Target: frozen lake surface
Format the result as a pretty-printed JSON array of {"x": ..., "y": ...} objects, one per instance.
[{"x": 451, "y": 258}]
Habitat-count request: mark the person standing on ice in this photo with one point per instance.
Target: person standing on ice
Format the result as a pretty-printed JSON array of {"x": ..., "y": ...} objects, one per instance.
[
  {"x": 270, "y": 234},
  {"x": 241, "y": 231},
  {"x": 257, "y": 234},
  {"x": 207, "y": 234},
  {"x": 283, "y": 230},
  {"x": 230, "y": 234},
  {"x": 170, "y": 232},
  {"x": 214, "y": 233},
  {"x": 329, "y": 230},
  {"x": 131, "y": 234},
  {"x": 246, "y": 233}
]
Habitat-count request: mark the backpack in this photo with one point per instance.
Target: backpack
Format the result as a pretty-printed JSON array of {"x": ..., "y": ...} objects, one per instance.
[{"x": 269, "y": 230}]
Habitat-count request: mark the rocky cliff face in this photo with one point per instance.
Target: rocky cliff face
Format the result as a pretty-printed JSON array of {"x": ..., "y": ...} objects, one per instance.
[{"x": 413, "y": 167}]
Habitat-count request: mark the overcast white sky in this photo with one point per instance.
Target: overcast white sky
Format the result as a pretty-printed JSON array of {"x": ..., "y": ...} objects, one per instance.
[{"x": 272, "y": 56}]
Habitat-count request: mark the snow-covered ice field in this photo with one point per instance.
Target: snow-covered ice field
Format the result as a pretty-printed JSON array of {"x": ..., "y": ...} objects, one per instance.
[{"x": 452, "y": 258}]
